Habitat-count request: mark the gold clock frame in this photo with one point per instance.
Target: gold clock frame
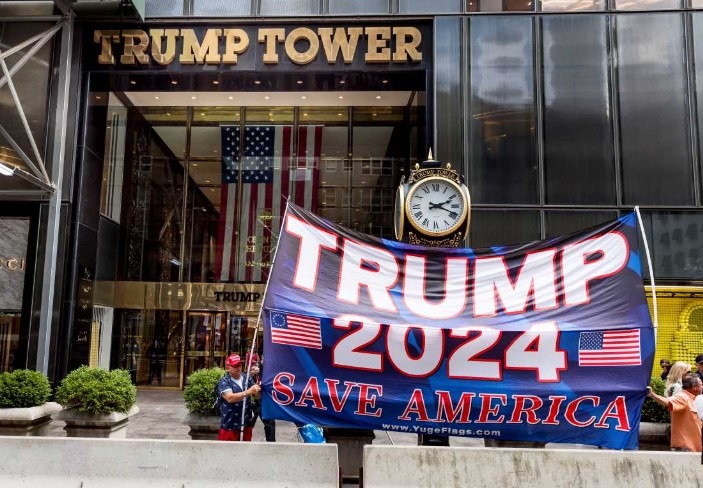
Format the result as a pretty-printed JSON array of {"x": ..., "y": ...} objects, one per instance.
[
  {"x": 460, "y": 222},
  {"x": 399, "y": 213}
]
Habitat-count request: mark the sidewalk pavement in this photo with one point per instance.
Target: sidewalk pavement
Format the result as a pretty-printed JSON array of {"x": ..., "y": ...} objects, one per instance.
[{"x": 161, "y": 413}]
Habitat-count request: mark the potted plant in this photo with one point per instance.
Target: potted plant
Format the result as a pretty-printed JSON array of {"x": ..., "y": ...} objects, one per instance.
[
  {"x": 655, "y": 429},
  {"x": 24, "y": 409},
  {"x": 200, "y": 396},
  {"x": 98, "y": 403}
]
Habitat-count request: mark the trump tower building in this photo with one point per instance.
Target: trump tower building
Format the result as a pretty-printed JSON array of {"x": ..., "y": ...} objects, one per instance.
[{"x": 148, "y": 150}]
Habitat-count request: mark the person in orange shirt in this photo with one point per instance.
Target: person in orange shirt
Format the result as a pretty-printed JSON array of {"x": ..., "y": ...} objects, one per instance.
[{"x": 685, "y": 424}]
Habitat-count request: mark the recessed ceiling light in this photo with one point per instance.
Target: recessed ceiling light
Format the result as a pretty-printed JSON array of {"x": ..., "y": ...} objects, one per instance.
[
  {"x": 270, "y": 114},
  {"x": 305, "y": 115},
  {"x": 174, "y": 82},
  {"x": 374, "y": 115},
  {"x": 156, "y": 97},
  {"x": 384, "y": 81},
  {"x": 300, "y": 82},
  {"x": 98, "y": 97},
  {"x": 132, "y": 82},
  {"x": 195, "y": 165},
  {"x": 339, "y": 114},
  {"x": 194, "y": 97},
  {"x": 341, "y": 97},
  {"x": 341, "y": 82},
  {"x": 303, "y": 97},
  {"x": 215, "y": 151},
  {"x": 231, "y": 97},
  {"x": 257, "y": 82},
  {"x": 207, "y": 181},
  {"x": 202, "y": 114},
  {"x": 215, "y": 82},
  {"x": 212, "y": 189},
  {"x": 266, "y": 97},
  {"x": 378, "y": 97},
  {"x": 168, "y": 113}
]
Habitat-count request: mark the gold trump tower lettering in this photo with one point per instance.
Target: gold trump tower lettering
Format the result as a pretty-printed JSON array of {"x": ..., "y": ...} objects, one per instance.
[{"x": 224, "y": 46}]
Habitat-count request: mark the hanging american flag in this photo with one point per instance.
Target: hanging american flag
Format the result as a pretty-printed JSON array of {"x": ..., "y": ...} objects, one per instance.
[
  {"x": 611, "y": 348},
  {"x": 246, "y": 237}
]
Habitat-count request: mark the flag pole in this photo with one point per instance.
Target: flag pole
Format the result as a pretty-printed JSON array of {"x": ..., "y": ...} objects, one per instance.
[
  {"x": 256, "y": 332},
  {"x": 651, "y": 273}
]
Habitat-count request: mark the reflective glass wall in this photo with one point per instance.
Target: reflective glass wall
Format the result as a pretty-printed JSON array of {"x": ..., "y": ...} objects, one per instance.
[{"x": 571, "y": 120}]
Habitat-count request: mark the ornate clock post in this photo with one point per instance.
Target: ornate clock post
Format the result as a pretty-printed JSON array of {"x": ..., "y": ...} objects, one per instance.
[{"x": 432, "y": 208}]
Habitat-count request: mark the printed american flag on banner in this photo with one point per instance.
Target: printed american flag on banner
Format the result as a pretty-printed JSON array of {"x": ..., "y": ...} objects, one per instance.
[
  {"x": 296, "y": 330},
  {"x": 610, "y": 348},
  {"x": 270, "y": 175}
]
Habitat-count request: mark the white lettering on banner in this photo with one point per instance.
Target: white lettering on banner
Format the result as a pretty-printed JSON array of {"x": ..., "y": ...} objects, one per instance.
[
  {"x": 456, "y": 277},
  {"x": 312, "y": 240},
  {"x": 588, "y": 260},
  {"x": 536, "y": 277},
  {"x": 536, "y": 349},
  {"x": 371, "y": 267},
  {"x": 376, "y": 270}
]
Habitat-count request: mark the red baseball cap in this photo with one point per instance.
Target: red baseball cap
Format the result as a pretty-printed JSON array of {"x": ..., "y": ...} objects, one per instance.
[{"x": 233, "y": 360}]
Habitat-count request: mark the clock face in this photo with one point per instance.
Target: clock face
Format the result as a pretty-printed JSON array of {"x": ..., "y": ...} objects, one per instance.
[{"x": 436, "y": 206}]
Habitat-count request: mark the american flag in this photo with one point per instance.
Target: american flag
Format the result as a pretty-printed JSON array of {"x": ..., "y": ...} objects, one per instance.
[
  {"x": 611, "y": 348},
  {"x": 296, "y": 330},
  {"x": 269, "y": 176}
]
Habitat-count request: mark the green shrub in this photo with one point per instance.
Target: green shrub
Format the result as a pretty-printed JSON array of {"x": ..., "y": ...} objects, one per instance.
[
  {"x": 651, "y": 410},
  {"x": 198, "y": 390},
  {"x": 96, "y": 391},
  {"x": 24, "y": 388}
]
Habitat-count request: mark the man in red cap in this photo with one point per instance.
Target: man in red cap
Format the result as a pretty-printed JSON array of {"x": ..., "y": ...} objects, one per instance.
[{"x": 233, "y": 391}]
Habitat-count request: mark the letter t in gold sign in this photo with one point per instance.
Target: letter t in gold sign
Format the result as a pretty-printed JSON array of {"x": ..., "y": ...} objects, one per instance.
[{"x": 106, "y": 38}]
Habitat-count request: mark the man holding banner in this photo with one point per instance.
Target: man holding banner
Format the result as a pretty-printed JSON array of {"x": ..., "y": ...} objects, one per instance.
[{"x": 504, "y": 343}]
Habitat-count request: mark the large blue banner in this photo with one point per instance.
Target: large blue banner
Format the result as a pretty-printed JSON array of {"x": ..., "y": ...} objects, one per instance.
[{"x": 548, "y": 341}]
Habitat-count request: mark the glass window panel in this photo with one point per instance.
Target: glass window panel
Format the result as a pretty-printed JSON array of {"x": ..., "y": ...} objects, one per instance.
[
  {"x": 518, "y": 5},
  {"x": 423, "y": 6},
  {"x": 503, "y": 166},
  {"x": 503, "y": 227},
  {"x": 290, "y": 7},
  {"x": 697, "y": 19},
  {"x": 579, "y": 161},
  {"x": 449, "y": 116},
  {"x": 113, "y": 161},
  {"x": 647, "y": 4},
  {"x": 676, "y": 240},
  {"x": 561, "y": 223},
  {"x": 32, "y": 85},
  {"x": 221, "y": 8},
  {"x": 164, "y": 8},
  {"x": 359, "y": 6},
  {"x": 653, "y": 112},
  {"x": 572, "y": 5}
]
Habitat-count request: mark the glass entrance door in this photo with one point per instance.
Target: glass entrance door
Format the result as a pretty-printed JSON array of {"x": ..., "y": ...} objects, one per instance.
[{"x": 207, "y": 340}]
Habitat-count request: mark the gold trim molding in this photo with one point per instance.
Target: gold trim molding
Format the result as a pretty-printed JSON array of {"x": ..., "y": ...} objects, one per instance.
[{"x": 146, "y": 295}]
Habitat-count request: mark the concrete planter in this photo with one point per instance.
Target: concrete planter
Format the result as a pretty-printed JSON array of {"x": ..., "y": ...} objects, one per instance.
[
  {"x": 112, "y": 425},
  {"x": 27, "y": 421},
  {"x": 654, "y": 436},
  {"x": 202, "y": 427}
]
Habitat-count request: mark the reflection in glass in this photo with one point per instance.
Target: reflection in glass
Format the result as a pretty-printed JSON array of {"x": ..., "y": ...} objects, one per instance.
[
  {"x": 113, "y": 161},
  {"x": 561, "y": 223},
  {"x": 653, "y": 110},
  {"x": 503, "y": 167},
  {"x": 32, "y": 85},
  {"x": 647, "y": 4},
  {"x": 572, "y": 5},
  {"x": 579, "y": 160},
  {"x": 697, "y": 21},
  {"x": 221, "y": 8},
  {"x": 449, "y": 120},
  {"x": 359, "y": 7},
  {"x": 503, "y": 227},
  {"x": 425, "y": 7},
  {"x": 676, "y": 239},
  {"x": 290, "y": 7}
]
